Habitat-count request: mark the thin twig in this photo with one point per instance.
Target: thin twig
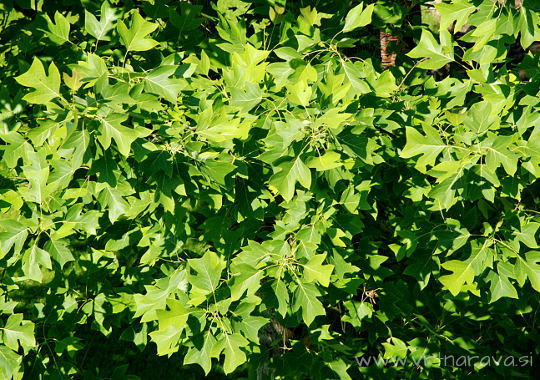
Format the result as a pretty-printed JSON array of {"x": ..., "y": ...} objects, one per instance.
[{"x": 410, "y": 71}]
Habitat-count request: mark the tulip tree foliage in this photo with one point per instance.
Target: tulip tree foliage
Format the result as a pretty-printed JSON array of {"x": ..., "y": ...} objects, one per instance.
[{"x": 238, "y": 189}]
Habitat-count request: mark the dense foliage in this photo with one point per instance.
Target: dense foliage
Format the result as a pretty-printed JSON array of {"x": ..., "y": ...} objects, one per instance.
[{"x": 238, "y": 189}]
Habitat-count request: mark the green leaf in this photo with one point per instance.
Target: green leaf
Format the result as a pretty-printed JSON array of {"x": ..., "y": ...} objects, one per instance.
[
  {"x": 158, "y": 82},
  {"x": 203, "y": 65},
  {"x": 112, "y": 128},
  {"x": 59, "y": 32},
  {"x": 249, "y": 326},
  {"x": 100, "y": 29},
  {"x": 231, "y": 346},
  {"x": 355, "y": 75},
  {"x": 483, "y": 33},
  {"x": 156, "y": 296},
  {"x": 529, "y": 268},
  {"x": 32, "y": 261},
  {"x": 17, "y": 330},
  {"x": 449, "y": 175},
  {"x": 9, "y": 362},
  {"x": 37, "y": 172},
  {"x": 340, "y": 368},
  {"x": 428, "y": 47},
  {"x": 329, "y": 160},
  {"x": 136, "y": 37},
  {"x": 305, "y": 297},
  {"x": 358, "y": 17},
  {"x": 46, "y": 88},
  {"x": 111, "y": 200},
  {"x": 500, "y": 286},
  {"x": 201, "y": 353},
  {"x": 225, "y": 131},
  {"x": 14, "y": 236},
  {"x": 171, "y": 324},
  {"x": 290, "y": 172},
  {"x": 396, "y": 348},
  {"x": 429, "y": 146},
  {"x": 61, "y": 175},
  {"x": 497, "y": 153},
  {"x": 527, "y": 234},
  {"x": 246, "y": 278},
  {"x": 350, "y": 200},
  {"x": 59, "y": 251},
  {"x": 186, "y": 17},
  {"x": 479, "y": 118},
  {"x": 248, "y": 98},
  {"x": 458, "y": 11},
  {"x": 528, "y": 26},
  {"x": 462, "y": 274},
  {"x": 481, "y": 256},
  {"x": 208, "y": 272},
  {"x": 282, "y": 295},
  {"x": 217, "y": 169},
  {"x": 93, "y": 70},
  {"x": 299, "y": 93},
  {"x": 314, "y": 270},
  {"x": 357, "y": 311},
  {"x": 384, "y": 85}
]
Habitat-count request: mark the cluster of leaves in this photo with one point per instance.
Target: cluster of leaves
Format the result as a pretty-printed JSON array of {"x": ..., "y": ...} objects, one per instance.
[{"x": 239, "y": 188}]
